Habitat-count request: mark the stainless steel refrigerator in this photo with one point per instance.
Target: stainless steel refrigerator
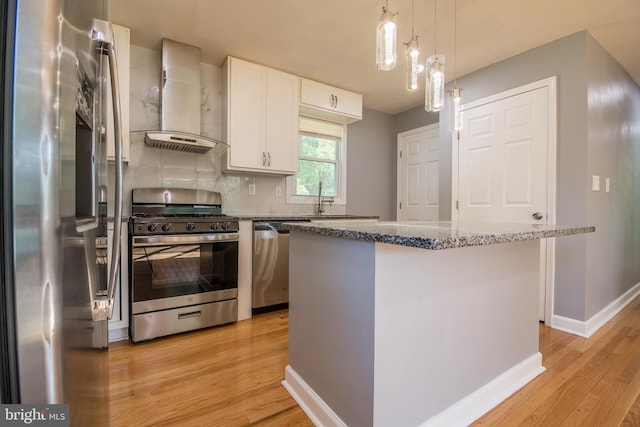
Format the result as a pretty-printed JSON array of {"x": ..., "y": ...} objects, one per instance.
[{"x": 57, "y": 288}]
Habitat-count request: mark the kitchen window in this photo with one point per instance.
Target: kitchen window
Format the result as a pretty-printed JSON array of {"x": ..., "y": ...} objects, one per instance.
[{"x": 321, "y": 158}]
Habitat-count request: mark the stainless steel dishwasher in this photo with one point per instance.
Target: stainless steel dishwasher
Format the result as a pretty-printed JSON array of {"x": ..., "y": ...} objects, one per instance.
[{"x": 270, "y": 285}]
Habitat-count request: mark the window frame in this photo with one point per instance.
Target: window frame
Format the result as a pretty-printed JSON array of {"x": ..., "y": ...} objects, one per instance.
[{"x": 341, "y": 171}]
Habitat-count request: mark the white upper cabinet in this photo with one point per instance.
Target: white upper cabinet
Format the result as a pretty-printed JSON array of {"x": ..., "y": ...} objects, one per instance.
[
  {"x": 259, "y": 118},
  {"x": 329, "y": 103},
  {"x": 122, "y": 36}
]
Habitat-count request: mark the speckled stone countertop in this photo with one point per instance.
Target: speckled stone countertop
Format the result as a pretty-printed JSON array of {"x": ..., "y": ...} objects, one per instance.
[
  {"x": 274, "y": 217},
  {"x": 436, "y": 234}
]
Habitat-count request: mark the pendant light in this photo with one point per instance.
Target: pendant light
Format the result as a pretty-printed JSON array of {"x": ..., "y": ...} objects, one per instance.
[
  {"x": 434, "y": 91},
  {"x": 413, "y": 58},
  {"x": 386, "y": 40},
  {"x": 455, "y": 118}
]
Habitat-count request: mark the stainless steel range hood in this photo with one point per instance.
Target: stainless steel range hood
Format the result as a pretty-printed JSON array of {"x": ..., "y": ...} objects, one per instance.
[{"x": 181, "y": 102}]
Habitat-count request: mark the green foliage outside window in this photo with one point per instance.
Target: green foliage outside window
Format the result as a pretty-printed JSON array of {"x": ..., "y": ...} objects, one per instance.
[{"x": 318, "y": 162}]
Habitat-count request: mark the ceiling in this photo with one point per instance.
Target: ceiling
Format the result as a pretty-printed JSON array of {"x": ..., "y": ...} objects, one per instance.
[{"x": 333, "y": 41}]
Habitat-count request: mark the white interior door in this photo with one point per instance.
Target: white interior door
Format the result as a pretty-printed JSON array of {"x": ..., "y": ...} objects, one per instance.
[
  {"x": 505, "y": 166},
  {"x": 418, "y": 174},
  {"x": 503, "y": 160}
]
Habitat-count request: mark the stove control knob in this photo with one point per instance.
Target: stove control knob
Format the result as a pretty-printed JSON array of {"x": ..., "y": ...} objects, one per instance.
[
  {"x": 152, "y": 227},
  {"x": 166, "y": 227},
  {"x": 191, "y": 226},
  {"x": 214, "y": 226},
  {"x": 225, "y": 225}
]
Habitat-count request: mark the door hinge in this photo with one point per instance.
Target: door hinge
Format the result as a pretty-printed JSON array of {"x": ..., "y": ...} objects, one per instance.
[
  {"x": 400, "y": 205},
  {"x": 457, "y": 204},
  {"x": 400, "y": 153}
]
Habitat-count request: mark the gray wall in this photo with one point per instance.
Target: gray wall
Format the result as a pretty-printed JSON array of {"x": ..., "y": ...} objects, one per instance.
[
  {"x": 415, "y": 118},
  {"x": 613, "y": 136},
  {"x": 371, "y": 166},
  {"x": 566, "y": 59},
  {"x": 372, "y": 161},
  {"x": 598, "y": 112}
]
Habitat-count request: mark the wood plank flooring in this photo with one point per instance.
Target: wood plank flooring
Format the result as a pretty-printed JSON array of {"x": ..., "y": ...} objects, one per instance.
[
  {"x": 230, "y": 376},
  {"x": 224, "y": 376}
]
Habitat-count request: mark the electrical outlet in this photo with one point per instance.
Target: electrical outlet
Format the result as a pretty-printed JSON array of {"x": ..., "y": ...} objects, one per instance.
[
  {"x": 595, "y": 183},
  {"x": 278, "y": 191},
  {"x": 252, "y": 189},
  {"x": 607, "y": 185}
]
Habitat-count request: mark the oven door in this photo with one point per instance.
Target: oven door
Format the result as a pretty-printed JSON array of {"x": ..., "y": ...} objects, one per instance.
[{"x": 181, "y": 270}]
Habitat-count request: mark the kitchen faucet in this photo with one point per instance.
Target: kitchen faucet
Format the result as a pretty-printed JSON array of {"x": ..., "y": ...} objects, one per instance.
[{"x": 321, "y": 200}]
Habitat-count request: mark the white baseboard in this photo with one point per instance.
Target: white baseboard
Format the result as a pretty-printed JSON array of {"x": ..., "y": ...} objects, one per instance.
[
  {"x": 119, "y": 334},
  {"x": 312, "y": 405},
  {"x": 598, "y": 320},
  {"x": 481, "y": 401},
  {"x": 461, "y": 413}
]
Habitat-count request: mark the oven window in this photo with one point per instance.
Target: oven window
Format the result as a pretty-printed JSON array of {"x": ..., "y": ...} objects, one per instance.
[{"x": 174, "y": 270}]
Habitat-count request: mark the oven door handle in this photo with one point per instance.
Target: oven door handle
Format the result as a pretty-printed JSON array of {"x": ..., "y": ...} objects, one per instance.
[{"x": 179, "y": 239}]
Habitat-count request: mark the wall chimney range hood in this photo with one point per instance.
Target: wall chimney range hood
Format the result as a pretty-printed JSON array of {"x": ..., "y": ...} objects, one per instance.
[{"x": 180, "y": 99}]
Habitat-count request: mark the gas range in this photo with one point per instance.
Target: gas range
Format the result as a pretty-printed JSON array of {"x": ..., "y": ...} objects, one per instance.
[
  {"x": 183, "y": 258},
  {"x": 162, "y": 211}
]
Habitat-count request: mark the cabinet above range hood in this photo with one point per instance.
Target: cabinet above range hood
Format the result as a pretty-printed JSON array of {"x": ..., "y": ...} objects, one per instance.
[{"x": 181, "y": 102}]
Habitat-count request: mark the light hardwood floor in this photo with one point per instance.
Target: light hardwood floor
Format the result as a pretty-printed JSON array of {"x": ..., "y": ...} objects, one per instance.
[{"x": 230, "y": 376}]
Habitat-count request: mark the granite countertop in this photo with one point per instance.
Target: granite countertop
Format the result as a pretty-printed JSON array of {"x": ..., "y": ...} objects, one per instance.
[
  {"x": 301, "y": 217},
  {"x": 436, "y": 234}
]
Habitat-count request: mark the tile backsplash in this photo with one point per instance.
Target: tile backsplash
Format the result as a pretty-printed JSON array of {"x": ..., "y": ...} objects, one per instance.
[{"x": 152, "y": 167}]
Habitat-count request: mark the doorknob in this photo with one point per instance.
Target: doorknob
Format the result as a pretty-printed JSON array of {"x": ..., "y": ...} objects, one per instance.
[{"x": 537, "y": 215}]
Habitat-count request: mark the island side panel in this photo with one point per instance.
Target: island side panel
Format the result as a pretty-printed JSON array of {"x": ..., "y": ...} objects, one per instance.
[
  {"x": 448, "y": 322},
  {"x": 331, "y": 320}
]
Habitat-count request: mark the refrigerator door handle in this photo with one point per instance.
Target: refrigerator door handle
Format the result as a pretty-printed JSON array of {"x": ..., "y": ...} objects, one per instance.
[{"x": 103, "y": 308}]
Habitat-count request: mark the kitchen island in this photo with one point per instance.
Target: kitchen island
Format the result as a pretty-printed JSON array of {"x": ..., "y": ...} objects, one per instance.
[{"x": 407, "y": 324}]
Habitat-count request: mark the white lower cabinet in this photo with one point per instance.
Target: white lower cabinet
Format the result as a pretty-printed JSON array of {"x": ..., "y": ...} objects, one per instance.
[
  {"x": 259, "y": 118},
  {"x": 119, "y": 323},
  {"x": 330, "y": 103},
  {"x": 245, "y": 269}
]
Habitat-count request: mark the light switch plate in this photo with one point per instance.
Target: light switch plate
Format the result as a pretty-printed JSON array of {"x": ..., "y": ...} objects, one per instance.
[
  {"x": 595, "y": 184},
  {"x": 252, "y": 189},
  {"x": 607, "y": 185}
]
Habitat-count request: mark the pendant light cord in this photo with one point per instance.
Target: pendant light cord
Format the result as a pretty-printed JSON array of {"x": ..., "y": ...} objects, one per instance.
[
  {"x": 412, "y": 19},
  {"x": 435, "y": 27},
  {"x": 455, "y": 43}
]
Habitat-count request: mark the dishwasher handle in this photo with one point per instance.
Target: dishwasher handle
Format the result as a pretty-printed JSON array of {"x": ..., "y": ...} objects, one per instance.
[
  {"x": 264, "y": 226},
  {"x": 273, "y": 226}
]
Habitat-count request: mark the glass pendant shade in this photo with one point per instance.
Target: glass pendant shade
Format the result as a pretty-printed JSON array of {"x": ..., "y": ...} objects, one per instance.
[
  {"x": 455, "y": 120},
  {"x": 434, "y": 92},
  {"x": 386, "y": 55},
  {"x": 413, "y": 64}
]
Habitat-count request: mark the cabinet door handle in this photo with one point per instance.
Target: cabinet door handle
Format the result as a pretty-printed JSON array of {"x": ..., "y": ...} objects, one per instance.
[
  {"x": 264, "y": 159},
  {"x": 269, "y": 159},
  {"x": 336, "y": 104},
  {"x": 333, "y": 101}
]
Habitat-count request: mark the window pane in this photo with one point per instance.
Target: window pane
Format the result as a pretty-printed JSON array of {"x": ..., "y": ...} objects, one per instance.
[
  {"x": 318, "y": 148},
  {"x": 310, "y": 173}
]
